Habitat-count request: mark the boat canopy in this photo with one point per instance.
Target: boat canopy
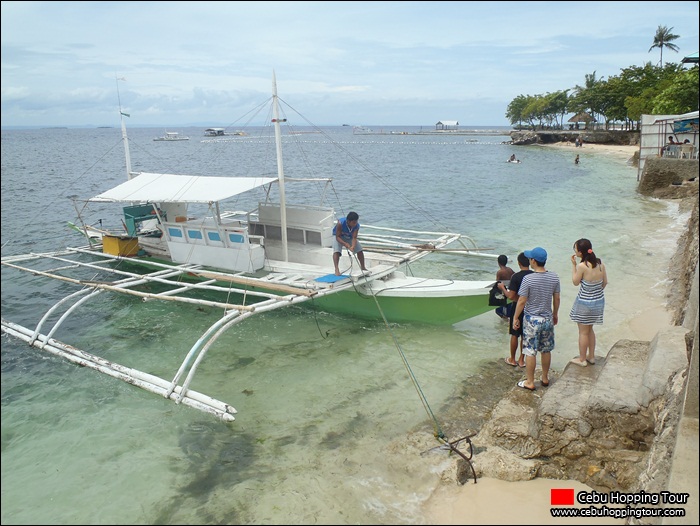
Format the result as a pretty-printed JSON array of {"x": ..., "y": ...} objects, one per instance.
[{"x": 171, "y": 188}]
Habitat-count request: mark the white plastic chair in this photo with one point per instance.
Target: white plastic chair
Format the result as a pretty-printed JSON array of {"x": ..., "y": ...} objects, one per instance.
[{"x": 687, "y": 151}]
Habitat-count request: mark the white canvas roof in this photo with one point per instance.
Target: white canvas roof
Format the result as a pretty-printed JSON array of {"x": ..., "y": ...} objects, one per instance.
[
  {"x": 170, "y": 188},
  {"x": 691, "y": 115}
]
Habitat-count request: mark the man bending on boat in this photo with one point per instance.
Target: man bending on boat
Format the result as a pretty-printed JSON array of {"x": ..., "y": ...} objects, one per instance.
[{"x": 346, "y": 236}]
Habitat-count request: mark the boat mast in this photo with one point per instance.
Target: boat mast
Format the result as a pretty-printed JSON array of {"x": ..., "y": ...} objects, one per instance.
[
  {"x": 125, "y": 139},
  {"x": 280, "y": 167}
]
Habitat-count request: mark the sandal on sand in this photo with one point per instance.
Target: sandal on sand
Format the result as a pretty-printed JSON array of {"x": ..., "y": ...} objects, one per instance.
[
  {"x": 509, "y": 363},
  {"x": 577, "y": 362},
  {"x": 544, "y": 384},
  {"x": 523, "y": 365},
  {"x": 592, "y": 362},
  {"x": 521, "y": 383}
]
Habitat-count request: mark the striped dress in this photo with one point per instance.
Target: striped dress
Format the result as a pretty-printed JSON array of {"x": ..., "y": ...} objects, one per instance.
[{"x": 589, "y": 305}]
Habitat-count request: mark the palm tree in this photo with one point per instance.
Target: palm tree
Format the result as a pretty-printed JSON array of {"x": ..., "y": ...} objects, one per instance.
[
  {"x": 663, "y": 39},
  {"x": 583, "y": 98}
]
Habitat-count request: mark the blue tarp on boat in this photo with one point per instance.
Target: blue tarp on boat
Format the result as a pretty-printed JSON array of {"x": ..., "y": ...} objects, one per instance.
[{"x": 331, "y": 278}]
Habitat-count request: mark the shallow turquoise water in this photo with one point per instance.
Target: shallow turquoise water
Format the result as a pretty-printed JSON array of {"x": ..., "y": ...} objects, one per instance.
[{"x": 325, "y": 403}]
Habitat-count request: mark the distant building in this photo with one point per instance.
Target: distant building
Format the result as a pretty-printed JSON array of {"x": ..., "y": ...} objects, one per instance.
[{"x": 446, "y": 125}]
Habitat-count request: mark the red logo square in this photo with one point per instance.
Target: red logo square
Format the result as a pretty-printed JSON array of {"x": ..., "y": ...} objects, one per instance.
[{"x": 562, "y": 497}]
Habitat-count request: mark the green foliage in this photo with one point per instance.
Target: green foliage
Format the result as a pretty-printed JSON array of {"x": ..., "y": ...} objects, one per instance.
[
  {"x": 515, "y": 112},
  {"x": 681, "y": 95},
  {"x": 638, "y": 90}
]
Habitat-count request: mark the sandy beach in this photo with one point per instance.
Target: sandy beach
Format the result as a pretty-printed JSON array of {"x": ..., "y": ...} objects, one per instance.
[
  {"x": 492, "y": 501},
  {"x": 626, "y": 151}
]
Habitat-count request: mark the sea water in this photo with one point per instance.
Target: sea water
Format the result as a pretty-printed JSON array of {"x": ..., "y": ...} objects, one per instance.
[{"x": 337, "y": 416}]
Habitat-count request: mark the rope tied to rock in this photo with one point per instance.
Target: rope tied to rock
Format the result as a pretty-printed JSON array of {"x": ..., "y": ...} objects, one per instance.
[{"x": 454, "y": 447}]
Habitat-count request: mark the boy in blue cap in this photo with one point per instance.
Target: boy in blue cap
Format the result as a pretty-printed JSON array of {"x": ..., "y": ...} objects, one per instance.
[{"x": 539, "y": 298}]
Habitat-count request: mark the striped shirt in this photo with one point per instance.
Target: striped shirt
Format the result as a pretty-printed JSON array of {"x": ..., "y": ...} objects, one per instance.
[
  {"x": 538, "y": 288},
  {"x": 589, "y": 304}
]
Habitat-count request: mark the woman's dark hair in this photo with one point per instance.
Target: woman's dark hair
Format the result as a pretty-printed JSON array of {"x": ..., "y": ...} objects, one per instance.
[{"x": 585, "y": 247}]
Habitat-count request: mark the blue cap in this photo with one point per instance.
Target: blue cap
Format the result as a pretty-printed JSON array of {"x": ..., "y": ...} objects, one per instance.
[{"x": 538, "y": 254}]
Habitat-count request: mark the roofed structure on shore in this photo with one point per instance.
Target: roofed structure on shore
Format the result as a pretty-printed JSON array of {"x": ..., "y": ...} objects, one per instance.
[
  {"x": 690, "y": 59},
  {"x": 583, "y": 117},
  {"x": 446, "y": 125}
]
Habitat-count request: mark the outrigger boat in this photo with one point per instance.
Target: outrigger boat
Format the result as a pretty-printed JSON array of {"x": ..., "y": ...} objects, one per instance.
[
  {"x": 171, "y": 137},
  {"x": 275, "y": 255}
]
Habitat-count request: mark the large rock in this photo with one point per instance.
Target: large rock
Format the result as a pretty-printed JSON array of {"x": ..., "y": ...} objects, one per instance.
[
  {"x": 523, "y": 138},
  {"x": 669, "y": 178},
  {"x": 595, "y": 424}
]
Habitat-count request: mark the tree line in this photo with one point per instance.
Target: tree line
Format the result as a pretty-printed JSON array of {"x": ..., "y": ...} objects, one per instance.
[{"x": 620, "y": 100}]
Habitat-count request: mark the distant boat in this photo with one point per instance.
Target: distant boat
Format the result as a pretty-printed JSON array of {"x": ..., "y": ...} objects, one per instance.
[
  {"x": 172, "y": 136},
  {"x": 214, "y": 132},
  {"x": 220, "y": 132}
]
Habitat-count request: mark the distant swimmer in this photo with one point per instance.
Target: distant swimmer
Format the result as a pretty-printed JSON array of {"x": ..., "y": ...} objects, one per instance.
[
  {"x": 577, "y": 160},
  {"x": 512, "y": 159}
]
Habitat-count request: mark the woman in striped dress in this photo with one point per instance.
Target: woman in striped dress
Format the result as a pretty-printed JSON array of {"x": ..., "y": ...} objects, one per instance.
[{"x": 589, "y": 304}]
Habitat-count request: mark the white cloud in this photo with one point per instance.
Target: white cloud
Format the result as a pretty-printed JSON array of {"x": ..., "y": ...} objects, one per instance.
[{"x": 369, "y": 62}]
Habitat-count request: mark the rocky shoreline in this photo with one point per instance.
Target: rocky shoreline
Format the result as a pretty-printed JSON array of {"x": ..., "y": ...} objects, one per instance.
[
  {"x": 622, "y": 137},
  {"x": 625, "y": 435}
]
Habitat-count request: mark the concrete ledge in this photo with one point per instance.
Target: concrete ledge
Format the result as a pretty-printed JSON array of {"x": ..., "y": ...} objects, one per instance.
[
  {"x": 667, "y": 357},
  {"x": 684, "y": 471},
  {"x": 567, "y": 399},
  {"x": 617, "y": 388}
]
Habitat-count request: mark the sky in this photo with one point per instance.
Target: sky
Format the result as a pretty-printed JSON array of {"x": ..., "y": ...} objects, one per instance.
[{"x": 358, "y": 63}]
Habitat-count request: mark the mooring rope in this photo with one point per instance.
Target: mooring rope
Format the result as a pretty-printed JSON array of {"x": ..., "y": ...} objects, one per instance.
[{"x": 438, "y": 433}]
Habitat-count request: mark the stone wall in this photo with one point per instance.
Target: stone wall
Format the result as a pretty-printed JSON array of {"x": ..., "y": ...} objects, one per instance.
[
  {"x": 676, "y": 180},
  {"x": 669, "y": 178}
]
